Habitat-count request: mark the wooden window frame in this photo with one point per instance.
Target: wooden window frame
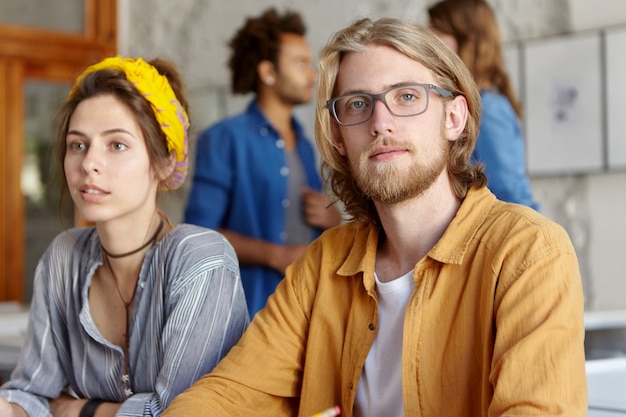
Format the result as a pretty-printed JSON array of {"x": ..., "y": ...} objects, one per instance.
[{"x": 32, "y": 53}]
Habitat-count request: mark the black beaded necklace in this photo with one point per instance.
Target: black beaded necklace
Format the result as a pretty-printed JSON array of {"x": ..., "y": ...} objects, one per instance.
[{"x": 128, "y": 304}]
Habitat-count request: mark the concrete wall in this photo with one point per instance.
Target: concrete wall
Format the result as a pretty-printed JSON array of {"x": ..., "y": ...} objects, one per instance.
[{"x": 193, "y": 33}]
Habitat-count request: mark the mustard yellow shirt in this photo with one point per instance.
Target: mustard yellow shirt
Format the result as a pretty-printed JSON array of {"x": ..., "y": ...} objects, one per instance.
[{"x": 494, "y": 327}]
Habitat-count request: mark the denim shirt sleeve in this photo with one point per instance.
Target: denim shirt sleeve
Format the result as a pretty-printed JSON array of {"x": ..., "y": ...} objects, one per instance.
[
  {"x": 500, "y": 147},
  {"x": 212, "y": 180}
]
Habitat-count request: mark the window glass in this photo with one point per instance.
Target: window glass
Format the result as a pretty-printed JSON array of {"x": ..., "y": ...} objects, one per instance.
[
  {"x": 60, "y": 15},
  {"x": 39, "y": 178}
]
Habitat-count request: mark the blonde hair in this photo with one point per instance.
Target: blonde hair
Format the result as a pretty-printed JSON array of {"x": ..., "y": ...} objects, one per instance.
[{"x": 421, "y": 45}]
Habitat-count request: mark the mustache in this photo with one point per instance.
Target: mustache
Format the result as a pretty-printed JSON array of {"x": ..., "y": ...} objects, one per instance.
[{"x": 387, "y": 141}]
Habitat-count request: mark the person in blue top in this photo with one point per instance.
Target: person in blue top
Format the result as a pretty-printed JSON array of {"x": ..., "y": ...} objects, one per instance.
[
  {"x": 470, "y": 28},
  {"x": 256, "y": 178}
]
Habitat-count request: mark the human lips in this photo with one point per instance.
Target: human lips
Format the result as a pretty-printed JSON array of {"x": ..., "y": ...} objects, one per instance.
[
  {"x": 92, "y": 189},
  {"x": 92, "y": 193},
  {"x": 386, "y": 152}
]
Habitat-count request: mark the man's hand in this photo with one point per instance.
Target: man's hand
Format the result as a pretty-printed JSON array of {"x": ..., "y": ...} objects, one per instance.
[
  {"x": 281, "y": 256},
  {"x": 319, "y": 210}
]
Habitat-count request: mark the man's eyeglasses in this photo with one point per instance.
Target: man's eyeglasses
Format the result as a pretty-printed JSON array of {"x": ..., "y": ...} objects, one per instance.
[{"x": 404, "y": 101}]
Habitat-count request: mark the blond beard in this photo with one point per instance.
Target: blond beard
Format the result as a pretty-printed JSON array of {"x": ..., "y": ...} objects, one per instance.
[{"x": 385, "y": 184}]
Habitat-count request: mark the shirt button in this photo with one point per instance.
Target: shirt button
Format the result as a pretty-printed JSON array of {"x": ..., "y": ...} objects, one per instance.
[
  {"x": 284, "y": 171},
  {"x": 371, "y": 326},
  {"x": 128, "y": 392},
  {"x": 264, "y": 131},
  {"x": 280, "y": 143},
  {"x": 285, "y": 203}
]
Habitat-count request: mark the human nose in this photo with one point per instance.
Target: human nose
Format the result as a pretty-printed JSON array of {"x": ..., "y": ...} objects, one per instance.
[
  {"x": 92, "y": 160},
  {"x": 381, "y": 120}
]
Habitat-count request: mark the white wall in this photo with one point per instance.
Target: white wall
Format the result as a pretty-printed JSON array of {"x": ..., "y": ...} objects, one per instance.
[
  {"x": 193, "y": 33},
  {"x": 596, "y": 220},
  {"x": 587, "y": 14}
]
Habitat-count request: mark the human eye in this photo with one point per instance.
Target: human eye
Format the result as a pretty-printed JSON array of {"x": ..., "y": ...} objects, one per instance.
[
  {"x": 408, "y": 96},
  {"x": 356, "y": 103},
  {"x": 76, "y": 146},
  {"x": 304, "y": 64},
  {"x": 119, "y": 146}
]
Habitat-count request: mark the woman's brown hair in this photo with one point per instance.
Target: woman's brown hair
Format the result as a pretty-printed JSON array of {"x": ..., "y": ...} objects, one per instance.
[
  {"x": 474, "y": 26},
  {"x": 113, "y": 82}
]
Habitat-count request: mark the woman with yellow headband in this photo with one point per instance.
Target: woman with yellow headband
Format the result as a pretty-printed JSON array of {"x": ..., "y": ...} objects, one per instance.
[{"x": 128, "y": 313}]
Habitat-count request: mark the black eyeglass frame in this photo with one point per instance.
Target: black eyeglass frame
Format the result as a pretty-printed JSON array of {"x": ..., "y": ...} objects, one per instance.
[{"x": 330, "y": 104}]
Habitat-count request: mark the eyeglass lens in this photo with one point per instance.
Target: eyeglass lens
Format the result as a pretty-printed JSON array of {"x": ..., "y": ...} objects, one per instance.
[{"x": 401, "y": 101}]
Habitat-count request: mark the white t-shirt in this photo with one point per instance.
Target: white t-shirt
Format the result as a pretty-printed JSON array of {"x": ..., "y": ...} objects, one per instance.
[{"x": 380, "y": 389}]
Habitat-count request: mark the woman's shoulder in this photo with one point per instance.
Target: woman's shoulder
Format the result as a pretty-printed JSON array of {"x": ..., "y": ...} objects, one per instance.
[
  {"x": 496, "y": 106},
  {"x": 189, "y": 252},
  {"x": 77, "y": 238},
  {"x": 193, "y": 233},
  {"x": 493, "y": 97},
  {"x": 190, "y": 240},
  {"x": 68, "y": 258}
]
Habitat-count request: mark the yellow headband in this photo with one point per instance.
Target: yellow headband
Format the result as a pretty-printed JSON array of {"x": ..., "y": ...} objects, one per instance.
[{"x": 170, "y": 114}]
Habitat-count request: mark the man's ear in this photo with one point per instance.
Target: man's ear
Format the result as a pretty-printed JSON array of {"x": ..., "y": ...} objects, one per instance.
[
  {"x": 456, "y": 117},
  {"x": 267, "y": 72},
  {"x": 337, "y": 138}
]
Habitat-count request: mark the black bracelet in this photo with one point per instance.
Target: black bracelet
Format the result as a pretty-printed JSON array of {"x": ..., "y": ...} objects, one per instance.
[{"x": 89, "y": 409}]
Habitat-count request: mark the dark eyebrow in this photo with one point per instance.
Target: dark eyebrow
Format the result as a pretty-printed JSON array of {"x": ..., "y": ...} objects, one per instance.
[
  {"x": 106, "y": 132},
  {"x": 75, "y": 132}
]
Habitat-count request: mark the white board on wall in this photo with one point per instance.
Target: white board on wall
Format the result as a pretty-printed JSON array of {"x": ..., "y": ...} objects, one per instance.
[
  {"x": 564, "y": 105},
  {"x": 616, "y": 97}
]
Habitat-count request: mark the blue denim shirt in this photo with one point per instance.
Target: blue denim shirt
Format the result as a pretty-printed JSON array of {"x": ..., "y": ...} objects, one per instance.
[
  {"x": 500, "y": 146},
  {"x": 240, "y": 184}
]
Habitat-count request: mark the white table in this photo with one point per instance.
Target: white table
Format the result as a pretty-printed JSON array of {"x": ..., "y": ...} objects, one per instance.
[
  {"x": 606, "y": 374},
  {"x": 606, "y": 384}
]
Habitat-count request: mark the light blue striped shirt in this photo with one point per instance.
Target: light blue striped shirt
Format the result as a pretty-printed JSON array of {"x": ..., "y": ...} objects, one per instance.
[{"x": 189, "y": 311}]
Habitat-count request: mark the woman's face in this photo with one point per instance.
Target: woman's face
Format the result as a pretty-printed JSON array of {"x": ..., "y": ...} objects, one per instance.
[{"x": 107, "y": 168}]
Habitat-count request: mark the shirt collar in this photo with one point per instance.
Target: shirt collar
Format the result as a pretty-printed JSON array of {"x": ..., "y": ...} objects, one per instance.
[
  {"x": 254, "y": 111},
  {"x": 360, "y": 258},
  {"x": 474, "y": 209},
  {"x": 451, "y": 248}
]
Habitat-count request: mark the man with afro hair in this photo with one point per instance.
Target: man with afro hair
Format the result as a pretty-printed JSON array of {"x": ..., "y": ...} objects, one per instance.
[{"x": 256, "y": 177}]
